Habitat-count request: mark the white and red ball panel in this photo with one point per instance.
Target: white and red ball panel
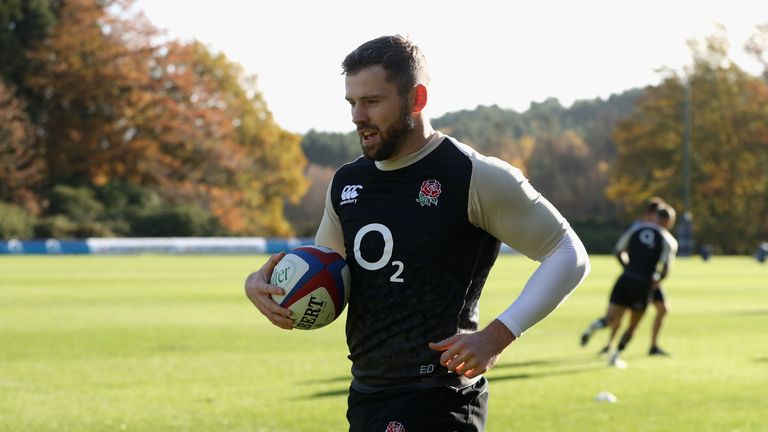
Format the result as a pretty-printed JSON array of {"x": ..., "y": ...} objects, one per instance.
[{"x": 316, "y": 282}]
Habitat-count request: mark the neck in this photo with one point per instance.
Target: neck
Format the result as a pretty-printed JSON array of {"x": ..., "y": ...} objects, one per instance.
[{"x": 416, "y": 140}]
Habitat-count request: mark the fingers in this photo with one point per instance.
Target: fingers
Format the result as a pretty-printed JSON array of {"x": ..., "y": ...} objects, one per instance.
[
  {"x": 444, "y": 344},
  {"x": 280, "y": 320},
  {"x": 475, "y": 372},
  {"x": 455, "y": 363},
  {"x": 458, "y": 361},
  {"x": 464, "y": 354},
  {"x": 453, "y": 355},
  {"x": 269, "y": 266},
  {"x": 466, "y": 365},
  {"x": 276, "y": 314},
  {"x": 259, "y": 292}
]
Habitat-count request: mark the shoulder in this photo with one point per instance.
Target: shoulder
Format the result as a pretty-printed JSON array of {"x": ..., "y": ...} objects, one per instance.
[
  {"x": 633, "y": 227},
  {"x": 485, "y": 164},
  {"x": 669, "y": 238},
  {"x": 490, "y": 173},
  {"x": 645, "y": 232},
  {"x": 352, "y": 169},
  {"x": 637, "y": 226},
  {"x": 358, "y": 163}
]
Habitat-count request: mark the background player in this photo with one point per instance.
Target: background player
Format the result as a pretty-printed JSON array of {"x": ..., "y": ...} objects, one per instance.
[
  {"x": 640, "y": 250},
  {"x": 649, "y": 216},
  {"x": 666, "y": 220}
]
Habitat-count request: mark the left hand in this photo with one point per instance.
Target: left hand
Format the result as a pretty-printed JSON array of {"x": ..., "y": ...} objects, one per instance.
[{"x": 472, "y": 354}]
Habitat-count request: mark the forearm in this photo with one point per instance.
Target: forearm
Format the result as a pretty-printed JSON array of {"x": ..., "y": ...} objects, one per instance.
[
  {"x": 622, "y": 257},
  {"x": 555, "y": 278}
]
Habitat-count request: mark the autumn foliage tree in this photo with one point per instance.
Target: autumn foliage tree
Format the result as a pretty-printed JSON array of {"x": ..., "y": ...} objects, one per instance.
[
  {"x": 20, "y": 169},
  {"x": 257, "y": 166},
  {"x": 757, "y": 46},
  {"x": 121, "y": 104},
  {"x": 729, "y": 138},
  {"x": 88, "y": 81},
  {"x": 563, "y": 168}
]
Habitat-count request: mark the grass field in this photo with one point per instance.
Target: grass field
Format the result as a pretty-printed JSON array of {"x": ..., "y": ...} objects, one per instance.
[{"x": 170, "y": 343}]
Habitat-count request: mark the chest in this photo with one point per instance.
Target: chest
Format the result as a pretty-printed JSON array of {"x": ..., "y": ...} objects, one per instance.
[
  {"x": 645, "y": 243},
  {"x": 419, "y": 212}
]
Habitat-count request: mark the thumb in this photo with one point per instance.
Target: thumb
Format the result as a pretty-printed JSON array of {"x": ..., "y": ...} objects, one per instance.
[{"x": 443, "y": 344}]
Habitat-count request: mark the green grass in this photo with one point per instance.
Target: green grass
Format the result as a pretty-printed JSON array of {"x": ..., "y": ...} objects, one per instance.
[{"x": 170, "y": 343}]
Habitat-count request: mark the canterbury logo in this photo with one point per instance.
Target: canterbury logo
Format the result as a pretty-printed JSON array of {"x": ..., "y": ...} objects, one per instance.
[{"x": 349, "y": 193}]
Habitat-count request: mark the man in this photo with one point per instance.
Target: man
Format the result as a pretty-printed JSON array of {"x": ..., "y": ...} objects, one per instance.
[
  {"x": 641, "y": 250},
  {"x": 649, "y": 216},
  {"x": 667, "y": 221},
  {"x": 420, "y": 218}
]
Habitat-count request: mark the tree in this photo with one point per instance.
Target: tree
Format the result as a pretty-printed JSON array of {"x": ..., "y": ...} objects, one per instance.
[
  {"x": 757, "y": 45},
  {"x": 249, "y": 165},
  {"x": 88, "y": 78},
  {"x": 122, "y": 105},
  {"x": 276, "y": 173},
  {"x": 305, "y": 216},
  {"x": 331, "y": 149},
  {"x": 730, "y": 155},
  {"x": 561, "y": 168},
  {"x": 23, "y": 24},
  {"x": 21, "y": 170}
]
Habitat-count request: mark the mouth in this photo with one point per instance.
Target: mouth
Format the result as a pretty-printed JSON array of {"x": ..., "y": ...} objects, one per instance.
[{"x": 368, "y": 135}]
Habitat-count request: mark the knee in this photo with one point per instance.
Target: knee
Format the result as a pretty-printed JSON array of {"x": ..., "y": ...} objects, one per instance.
[
  {"x": 661, "y": 309},
  {"x": 629, "y": 333},
  {"x": 612, "y": 321}
]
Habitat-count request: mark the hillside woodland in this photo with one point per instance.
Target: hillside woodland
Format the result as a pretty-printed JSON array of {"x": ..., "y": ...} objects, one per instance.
[{"x": 110, "y": 128}]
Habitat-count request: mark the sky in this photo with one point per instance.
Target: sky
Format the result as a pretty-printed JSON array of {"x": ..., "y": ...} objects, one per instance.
[{"x": 480, "y": 52}]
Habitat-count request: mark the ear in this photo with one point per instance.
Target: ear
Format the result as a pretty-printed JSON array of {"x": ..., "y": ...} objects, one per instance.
[{"x": 419, "y": 98}]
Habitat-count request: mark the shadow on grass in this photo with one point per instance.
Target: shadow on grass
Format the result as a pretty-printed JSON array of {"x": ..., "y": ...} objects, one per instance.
[
  {"x": 570, "y": 360},
  {"x": 329, "y": 393},
  {"x": 545, "y": 374},
  {"x": 752, "y": 312},
  {"x": 554, "y": 367},
  {"x": 584, "y": 364},
  {"x": 345, "y": 378}
]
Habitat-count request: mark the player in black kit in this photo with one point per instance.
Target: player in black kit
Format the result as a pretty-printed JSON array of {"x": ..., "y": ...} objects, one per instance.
[
  {"x": 420, "y": 218},
  {"x": 645, "y": 252},
  {"x": 658, "y": 298}
]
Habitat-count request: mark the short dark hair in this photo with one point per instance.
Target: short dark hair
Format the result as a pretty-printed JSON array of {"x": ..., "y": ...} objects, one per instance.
[
  {"x": 653, "y": 204},
  {"x": 401, "y": 59},
  {"x": 666, "y": 213}
]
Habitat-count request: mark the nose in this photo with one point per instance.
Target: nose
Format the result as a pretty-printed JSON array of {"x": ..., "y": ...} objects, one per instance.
[{"x": 358, "y": 114}]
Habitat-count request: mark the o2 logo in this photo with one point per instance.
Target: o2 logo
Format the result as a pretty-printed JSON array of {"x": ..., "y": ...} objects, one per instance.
[
  {"x": 386, "y": 253},
  {"x": 647, "y": 238}
]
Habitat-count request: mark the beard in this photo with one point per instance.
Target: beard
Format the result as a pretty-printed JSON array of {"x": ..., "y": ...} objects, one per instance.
[{"x": 392, "y": 138}]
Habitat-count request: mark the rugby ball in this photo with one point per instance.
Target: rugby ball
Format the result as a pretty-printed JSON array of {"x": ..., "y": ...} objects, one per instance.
[{"x": 316, "y": 282}]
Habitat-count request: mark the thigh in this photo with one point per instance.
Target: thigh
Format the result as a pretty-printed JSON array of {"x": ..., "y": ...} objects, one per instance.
[
  {"x": 407, "y": 410},
  {"x": 634, "y": 318},
  {"x": 614, "y": 313}
]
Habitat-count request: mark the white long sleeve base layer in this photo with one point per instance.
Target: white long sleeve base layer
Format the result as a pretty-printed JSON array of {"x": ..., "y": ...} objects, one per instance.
[{"x": 557, "y": 276}]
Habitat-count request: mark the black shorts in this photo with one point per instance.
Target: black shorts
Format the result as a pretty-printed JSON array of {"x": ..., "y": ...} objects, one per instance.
[
  {"x": 657, "y": 295},
  {"x": 630, "y": 292},
  {"x": 403, "y": 409}
]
